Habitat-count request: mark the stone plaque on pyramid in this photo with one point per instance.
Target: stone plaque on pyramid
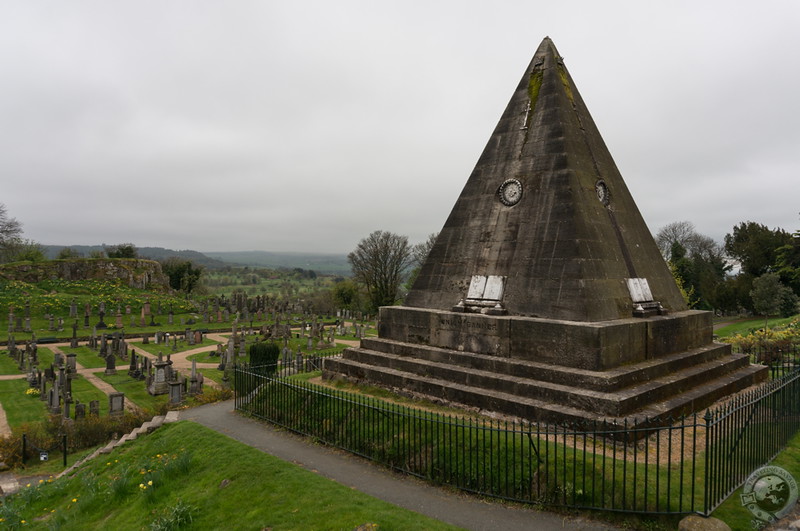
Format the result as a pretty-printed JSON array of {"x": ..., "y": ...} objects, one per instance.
[{"x": 545, "y": 296}]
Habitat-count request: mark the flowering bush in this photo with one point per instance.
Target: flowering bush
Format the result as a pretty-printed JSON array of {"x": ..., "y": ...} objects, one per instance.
[
  {"x": 32, "y": 391},
  {"x": 777, "y": 338}
]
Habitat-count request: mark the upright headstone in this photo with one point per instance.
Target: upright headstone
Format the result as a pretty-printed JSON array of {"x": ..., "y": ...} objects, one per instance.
[{"x": 116, "y": 404}]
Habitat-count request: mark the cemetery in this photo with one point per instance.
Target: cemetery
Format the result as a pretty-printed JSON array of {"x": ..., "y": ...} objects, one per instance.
[{"x": 543, "y": 355}]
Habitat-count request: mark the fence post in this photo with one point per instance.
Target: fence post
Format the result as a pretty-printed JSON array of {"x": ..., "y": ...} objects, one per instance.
[
  {"x": 706, "y": 480},
  {"x": 64, "y": 445},
  {"x": 24, "y": 447}
]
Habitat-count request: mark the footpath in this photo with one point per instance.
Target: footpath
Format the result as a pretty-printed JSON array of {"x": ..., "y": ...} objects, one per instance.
[{"x": 448, "y": 506}]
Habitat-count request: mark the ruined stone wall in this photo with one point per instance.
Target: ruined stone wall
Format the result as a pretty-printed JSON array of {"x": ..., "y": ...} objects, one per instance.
[{"x": 136, "y": 273}]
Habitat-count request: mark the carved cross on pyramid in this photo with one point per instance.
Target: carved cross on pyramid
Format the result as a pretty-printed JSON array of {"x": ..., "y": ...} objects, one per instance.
[{"x": 547, "y": 211}]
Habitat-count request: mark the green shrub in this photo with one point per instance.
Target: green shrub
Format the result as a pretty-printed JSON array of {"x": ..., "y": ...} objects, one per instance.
[{"x": 264, "y": 356}]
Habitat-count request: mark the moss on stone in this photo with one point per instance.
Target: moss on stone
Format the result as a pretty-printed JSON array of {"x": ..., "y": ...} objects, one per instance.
[
  {"x": 562, "y": 74},
  {"x": 534, "y": 84}
]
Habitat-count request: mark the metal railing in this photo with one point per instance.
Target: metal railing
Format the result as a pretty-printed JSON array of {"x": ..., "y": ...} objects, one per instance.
[{"x": 690, "y": 466}]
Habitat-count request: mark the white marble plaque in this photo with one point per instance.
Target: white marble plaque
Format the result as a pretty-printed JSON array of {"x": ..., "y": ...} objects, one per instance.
[
  {"x": 639, "y": 290},
  {"x": 476, "y": 287},
  {"x": 495, "y": 285}
]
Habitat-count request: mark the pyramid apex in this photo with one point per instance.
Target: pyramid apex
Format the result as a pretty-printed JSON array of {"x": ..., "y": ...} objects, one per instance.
[{"x": 546, "y": 212}]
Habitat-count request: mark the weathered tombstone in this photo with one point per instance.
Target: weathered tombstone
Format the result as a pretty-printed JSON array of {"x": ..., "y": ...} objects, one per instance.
[
  {"x": 158, "y": 384},
  {"x": 72, "y": 366},
  {"x": 175, "y": 392},
  {"x": 73, "y": 309},
  {"x": 80, "y": 411},
  {"x": 111, "y": 365},
  {"x": 94, "y": 408},
  {"x": 116, "y": 404}
]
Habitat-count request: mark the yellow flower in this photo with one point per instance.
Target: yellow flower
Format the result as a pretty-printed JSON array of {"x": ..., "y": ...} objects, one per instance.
[
  {"x": 150, "y": 482},
  {"x": 74, "y": 500}
]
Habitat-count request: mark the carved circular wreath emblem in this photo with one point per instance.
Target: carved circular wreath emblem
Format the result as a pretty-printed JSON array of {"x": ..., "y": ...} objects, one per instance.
[
  {"x": 510, "y": 192},
  {"x": 602, "y": 192}
]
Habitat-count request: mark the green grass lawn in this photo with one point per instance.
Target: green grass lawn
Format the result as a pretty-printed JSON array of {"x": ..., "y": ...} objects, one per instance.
[
  {"x": 8, "y": 365},
  {"x": 154, "y": 349},
  {"x": 733, "y": 513},
  {"x": 19, "y": 407},
  {"x": 749, "y": 325},
  {"x": 84, "y": 391},
  {"x": 211, "y": 374},
  {"x": 86, "y": 357},
  {"x": 134, "y": 390},
  {"x": 184, "y": 471}
]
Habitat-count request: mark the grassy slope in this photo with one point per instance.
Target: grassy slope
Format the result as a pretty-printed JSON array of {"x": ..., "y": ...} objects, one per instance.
[
  {"x": 746, "y": 326},
  {"x": 226, "y": 484}
]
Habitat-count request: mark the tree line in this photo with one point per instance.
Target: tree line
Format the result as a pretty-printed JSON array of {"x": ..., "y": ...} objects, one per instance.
[{"x": 755, "y": 269}]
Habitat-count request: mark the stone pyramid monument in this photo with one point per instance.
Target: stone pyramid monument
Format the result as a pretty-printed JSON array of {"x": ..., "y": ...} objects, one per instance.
[{"x": 545, "y": 296}]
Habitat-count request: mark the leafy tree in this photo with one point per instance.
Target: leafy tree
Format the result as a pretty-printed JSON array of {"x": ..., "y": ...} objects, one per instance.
[
  {"x": 697, "y": 262},
  {"x": 770, "y": 296},
  {"x": 756, "y": 246},
  {"x": 27, "y": 251},
  {"x": 264, "y": 356},
  {"x": 346, "y": 295},
  {"x": 788, "y": 263},
  {"x": 122, "y": 250},
  {"x": 183, "y": 274},
  {"x": 379, "y": 262},
  {"x": 67, "y": 253}
]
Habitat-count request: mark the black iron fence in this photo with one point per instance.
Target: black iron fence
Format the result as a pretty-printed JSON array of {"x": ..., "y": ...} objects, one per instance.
[
  {"x": 781, "y": 359},
  {"x": 690, "y": 466}
]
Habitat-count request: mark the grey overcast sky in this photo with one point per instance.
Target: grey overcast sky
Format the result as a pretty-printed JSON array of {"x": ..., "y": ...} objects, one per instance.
[{"x": 304, "y": 126}]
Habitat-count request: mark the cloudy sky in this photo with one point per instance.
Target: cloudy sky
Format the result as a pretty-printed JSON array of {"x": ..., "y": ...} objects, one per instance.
[{"x": 306, "y": 125}]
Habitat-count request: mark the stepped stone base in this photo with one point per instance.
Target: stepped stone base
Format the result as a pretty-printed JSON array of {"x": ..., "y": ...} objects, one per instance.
[{"x": 651, "y": 369}]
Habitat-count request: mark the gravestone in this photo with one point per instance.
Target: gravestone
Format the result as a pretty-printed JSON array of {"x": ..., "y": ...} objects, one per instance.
[
  {"x": 116, "y": 404},
  {"x": 111, "y": 365},
  {"x": 80, "y": 411},
  {"x": 94, "y": 408},
  {"x": 532, "y": 300},
  {"x": 175, "y": 392},
  {"x": 159, "y": 381}
]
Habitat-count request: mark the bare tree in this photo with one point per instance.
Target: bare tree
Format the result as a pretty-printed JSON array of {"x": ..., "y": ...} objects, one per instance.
[
  {"x": 682, "y": 232},
  {"x": 420, "y": 251},
  {"x": 379, "y": 261},
  {"x": 10, "y": 231}
]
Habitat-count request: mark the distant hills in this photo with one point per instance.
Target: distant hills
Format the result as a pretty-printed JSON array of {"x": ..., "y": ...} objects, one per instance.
[
  {"x": 327, "y": 264},
  {"x": 331, "y": 264}
]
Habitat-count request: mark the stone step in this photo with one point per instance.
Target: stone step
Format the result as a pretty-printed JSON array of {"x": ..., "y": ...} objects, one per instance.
[
  {"x": 618, "y": 403},
  {"x": 609, "y": 380},
  {"x": 540, "y": 409}
]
